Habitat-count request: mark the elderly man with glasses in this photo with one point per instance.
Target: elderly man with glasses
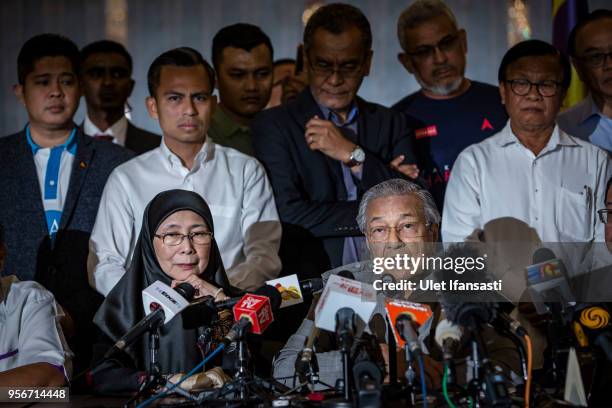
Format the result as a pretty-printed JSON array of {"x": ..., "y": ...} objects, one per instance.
[
  {"x": 531, "y": 171},
  {"x": 456, "y": 111},
  {"x": 326, "y": 147}
]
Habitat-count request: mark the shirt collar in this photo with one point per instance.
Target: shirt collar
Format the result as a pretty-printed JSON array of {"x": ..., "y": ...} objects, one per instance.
[
  {"x": 335, "y": 118},
  {"x": 558, "y": 137},
  {"x": 118, "y": 130},
  {"x": 588, "y": 109},
  {"x": 69, "y": 145},
  {"x": 225, "y": 124},
  {"x": 205, "y": 154}
]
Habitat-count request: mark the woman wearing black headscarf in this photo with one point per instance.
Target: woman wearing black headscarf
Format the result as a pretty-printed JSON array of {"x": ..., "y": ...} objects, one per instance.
[{"x": 176, "y": 244}]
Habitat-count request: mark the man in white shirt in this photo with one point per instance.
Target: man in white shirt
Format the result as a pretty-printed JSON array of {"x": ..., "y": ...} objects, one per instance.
[
  {"x": 234, "y": 185},
  {"x": 33, "y": 351},
  {"x": 531, "y": 171},
  {"x": 106, "y": 74}
]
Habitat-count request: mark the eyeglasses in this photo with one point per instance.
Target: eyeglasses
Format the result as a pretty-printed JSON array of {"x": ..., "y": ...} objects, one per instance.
[
  {"x": 596, "y": 60},
  {"x": 604, "y": 216},
  {"x": 345, "y": 70},
  {"x": 522, "y": 87},
  {"x": 404, "y": 232},
  {"x": 196, "y": 238},
  {"x": 445, "y": 45}
]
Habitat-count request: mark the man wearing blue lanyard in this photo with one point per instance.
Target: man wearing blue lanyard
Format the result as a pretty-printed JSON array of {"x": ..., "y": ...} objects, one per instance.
[{"x": 52, "y": 178}]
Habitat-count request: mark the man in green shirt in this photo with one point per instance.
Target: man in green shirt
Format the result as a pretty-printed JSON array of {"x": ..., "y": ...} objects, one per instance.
[{"x": 242, "y": 56}]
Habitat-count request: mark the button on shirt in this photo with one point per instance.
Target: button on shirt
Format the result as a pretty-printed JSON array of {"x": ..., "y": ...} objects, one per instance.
[
  {"x": 53, "y": 168},
  {"x": 586, "y": 122},
  {"x": 29, "y": 329},
  {"x": 557, "y": 192},
  {"x": 118, "y": 130},
  {"x": 236, "y": 189}
]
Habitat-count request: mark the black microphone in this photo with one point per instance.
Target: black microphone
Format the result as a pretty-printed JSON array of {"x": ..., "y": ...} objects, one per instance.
[
  {"x": 311, "y": 285},
  {"x": 345, "y": 326},
  {"x": 254, "y": 316},
  {"x": 406, "y": 330},
  {"x": 346, "y": 274},
  {"x": 152, "y": 321},
  {"x": 594, "y": 321}
]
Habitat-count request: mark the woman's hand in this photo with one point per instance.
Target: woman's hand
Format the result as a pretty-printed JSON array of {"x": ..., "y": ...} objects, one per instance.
[{"x": 202, "y": 288}]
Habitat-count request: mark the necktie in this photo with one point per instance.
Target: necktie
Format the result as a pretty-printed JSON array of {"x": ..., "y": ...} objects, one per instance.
[{"x": 107, "y": 138}]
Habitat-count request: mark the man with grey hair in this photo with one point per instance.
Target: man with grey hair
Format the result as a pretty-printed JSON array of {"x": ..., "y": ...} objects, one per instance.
[
  {"x": 393, "y": 213},
  {"x": 456, "y": 112}
]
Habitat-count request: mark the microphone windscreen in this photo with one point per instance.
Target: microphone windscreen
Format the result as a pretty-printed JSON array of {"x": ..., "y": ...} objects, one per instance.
[
  {"x": 543, "y": 255},
  {"x": 346, "y": 274},
  {"x": 271, "y": 293},
  {"x": 198, "y": 314},
  {"x": 185, "y": 290}
]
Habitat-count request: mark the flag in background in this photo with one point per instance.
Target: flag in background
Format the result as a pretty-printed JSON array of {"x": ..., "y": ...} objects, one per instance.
[{"x": 566, "y": 13}]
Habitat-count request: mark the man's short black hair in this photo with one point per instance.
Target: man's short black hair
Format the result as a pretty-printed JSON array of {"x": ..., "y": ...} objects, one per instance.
[
  {"x": 45, "y": 45},
  {"x": 338, "y": 18},
  {"x": 177, "y": 57},
  {"x": 535, "y": 48},
  {"x": 600, "y": 14},
  {"x": 106, "y": 47},
  {"x": 241, "y": 35}
]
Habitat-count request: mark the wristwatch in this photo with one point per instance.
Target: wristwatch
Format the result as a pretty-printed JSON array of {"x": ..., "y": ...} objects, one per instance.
[{"x": 357, "y": 157}]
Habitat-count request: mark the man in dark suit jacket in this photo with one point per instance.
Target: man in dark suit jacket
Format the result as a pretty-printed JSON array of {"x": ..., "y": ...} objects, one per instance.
[
  {"x": 52, "y": 180},
  {"x": 323, "y": 150},
  {"x": 106, "y": 72}
]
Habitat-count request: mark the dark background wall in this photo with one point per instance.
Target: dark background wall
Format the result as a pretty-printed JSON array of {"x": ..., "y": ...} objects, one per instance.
[{"x": 149, "y": 27}]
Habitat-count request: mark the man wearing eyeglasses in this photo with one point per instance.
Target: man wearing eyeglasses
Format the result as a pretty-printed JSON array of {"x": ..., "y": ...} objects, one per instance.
[
  {"x": 326, "y": 147},
  {"x": 590, "y": 45},
  {"x": 531, "y": 171},
  {"x": 456, "y": 112}
]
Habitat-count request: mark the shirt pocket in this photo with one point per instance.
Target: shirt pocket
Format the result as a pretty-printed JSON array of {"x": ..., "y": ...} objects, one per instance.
[{"x": 574, "y": 216}]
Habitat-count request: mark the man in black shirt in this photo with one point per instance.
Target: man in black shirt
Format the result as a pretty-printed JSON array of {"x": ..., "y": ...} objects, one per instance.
[{"x": 456, "y": 112}]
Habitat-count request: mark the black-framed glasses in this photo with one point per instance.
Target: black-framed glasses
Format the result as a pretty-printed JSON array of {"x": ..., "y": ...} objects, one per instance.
[
  {"x": 404, "y": 231},
  {"x": 196, "y": 238},
  {"x": 522, "y": 87},
  {"x": 326, "y": 69},
  {"x": 605, "y": 216},
  {"x": 596, "y": 59},
  {"x": 447, "y": 44}
]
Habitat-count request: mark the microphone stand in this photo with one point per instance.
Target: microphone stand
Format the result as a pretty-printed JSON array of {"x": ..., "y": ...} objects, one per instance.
[
  {"x": 410, "y": 375},
  {"x": 154, "y": 378},
  {"x": 246, "y": 388}
]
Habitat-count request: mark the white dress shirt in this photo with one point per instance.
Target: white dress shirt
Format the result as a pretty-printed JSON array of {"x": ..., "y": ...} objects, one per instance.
[
  {"x": 236, "y": 189},
  {"x": 30, "y": 331},
  {"x": 118, "y": 130},
  {"x": 557, "y": 192}
]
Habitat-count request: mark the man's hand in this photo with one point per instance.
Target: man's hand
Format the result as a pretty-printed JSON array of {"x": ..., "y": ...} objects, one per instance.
[
  {"x": 323, "y": 136},
  {"x": 410, "y": 170}
]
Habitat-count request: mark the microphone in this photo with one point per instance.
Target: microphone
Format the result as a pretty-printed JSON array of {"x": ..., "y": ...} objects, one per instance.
[
  {"x": 341, "y": 292},
  {"x": 405, "y": 318},
  {"x": 547, "y": 283},
  {"x": 311, "y": 285},
  {"x": 592, "y": 325},
  {"x": 345, "y": 326},
  {"x": 470, "y": 315},
  {"x": 504, "y": 322},
  {"x": 254, "y": 313},
  {"x": 448, "y": 337},
  {"x": 161, "y": 304}
]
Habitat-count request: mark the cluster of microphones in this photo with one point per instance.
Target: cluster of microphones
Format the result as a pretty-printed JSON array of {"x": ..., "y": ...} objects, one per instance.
[{"x": 344, "y": 302}]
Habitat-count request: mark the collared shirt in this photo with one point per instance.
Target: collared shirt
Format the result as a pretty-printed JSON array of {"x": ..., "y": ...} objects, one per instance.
[
  {"x": 118, "y": 130},
  {"x": 236, "y": 189},
  {"x": 30, "y": 331},
  {"x": 53, "y": 168},
  {"x": 225, "y": 131},
  {"x": 354, "y": 247},
  {"x": 556, "y": 193},
  {"x": 586, "y": 122}
]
